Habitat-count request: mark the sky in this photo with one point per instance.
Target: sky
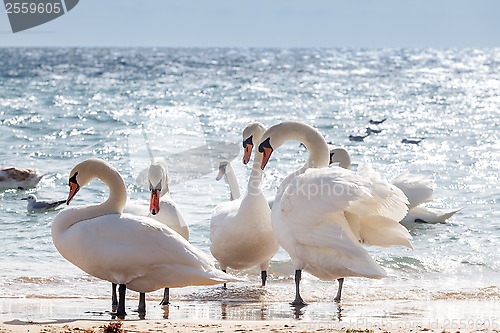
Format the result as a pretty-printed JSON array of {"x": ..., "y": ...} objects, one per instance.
[{"x": 267, "y": 23}]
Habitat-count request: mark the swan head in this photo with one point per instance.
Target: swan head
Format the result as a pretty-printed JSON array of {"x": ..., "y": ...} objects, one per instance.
[
  {"x": 222, "y": 170},
  {"x": 340, "y": 156},
  {"x": 82, "y": 174},
  {"x": 158, "y": 184},
  {"x": 251, "y": 134},
  {"x": 274, "y": 138}
]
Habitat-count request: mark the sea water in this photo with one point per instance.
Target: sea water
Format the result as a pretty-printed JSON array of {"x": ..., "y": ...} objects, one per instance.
[{"x": 59, "y": 106}]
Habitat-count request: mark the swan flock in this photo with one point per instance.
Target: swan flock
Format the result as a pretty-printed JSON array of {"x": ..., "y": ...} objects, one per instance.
[{"x": 322, "y": 216}]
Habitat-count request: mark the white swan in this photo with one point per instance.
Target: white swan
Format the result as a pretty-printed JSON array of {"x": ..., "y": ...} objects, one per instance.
[
  {"x": 321, "y": 214},
  {"x": 226, "y": 170},
  {"x": 134, "y": 252},
  {"x": 19, "y": 178},
  {"x": 417, "y": 188},
  {"x": 240, "y": 230},
  {"x": 162, "y": 208},
  {"x": 35, "y": 205}
]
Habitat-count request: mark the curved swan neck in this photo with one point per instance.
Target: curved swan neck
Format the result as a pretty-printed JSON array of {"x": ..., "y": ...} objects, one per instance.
[
  {"x": 308, "y": 135},
  {"x": 117, "y": 191},
  {"x": 232, "y": 181},
  {"x": 95, "y": 168},
  {"x": 86, "y": 172}
]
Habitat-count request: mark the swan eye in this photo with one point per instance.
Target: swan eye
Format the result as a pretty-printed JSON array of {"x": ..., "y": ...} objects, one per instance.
[
  {"x": 155, "y": 188},
  {"x": 265, "y": 144},
  {"x": 248, "y": 141},
  {"x": 73, "y": 180}
]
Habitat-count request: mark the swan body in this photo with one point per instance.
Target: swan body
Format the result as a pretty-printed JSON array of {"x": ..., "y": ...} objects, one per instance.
[
  {"x": 137, "y": 252},
  {"x": 322, "y": 215},
  {"x": 35, "y": 205},
  {"x": 241, "y": 234},
  {"x": 19, "y": 177},
  {"x": 417, "y": 188}
]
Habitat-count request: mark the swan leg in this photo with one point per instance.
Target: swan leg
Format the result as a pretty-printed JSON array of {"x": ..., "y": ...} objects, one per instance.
[
  {"x": 166, "y": 297},
  {"x": 120, "y": 312},
  {"x": 142, "y": 303},
  {"x": 339, "y": 291},
  {"x": 298, "y": 300},
  {"x": 114, "y": 299},
  {"x": 225, "y": 287},
  {"x": 263, "y": 276}
]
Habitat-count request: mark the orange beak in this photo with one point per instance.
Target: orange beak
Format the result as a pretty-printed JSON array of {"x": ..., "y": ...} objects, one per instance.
[
  {"x": 267, "y": 151},
  {"x": 247, "y": 153},
  {"x": 73, "y": 190},
  {"x": 154, "y": 203}
]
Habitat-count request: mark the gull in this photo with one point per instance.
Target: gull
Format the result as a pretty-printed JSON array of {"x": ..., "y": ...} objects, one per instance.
[{"x": 41, "y": 206}]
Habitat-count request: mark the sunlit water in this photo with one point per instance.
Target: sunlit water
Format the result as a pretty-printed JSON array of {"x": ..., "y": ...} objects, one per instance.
[{"x": 60, "y": 106}]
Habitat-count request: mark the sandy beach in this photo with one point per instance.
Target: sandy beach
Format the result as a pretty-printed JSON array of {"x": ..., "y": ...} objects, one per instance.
[{"x": 430, "y": 315}]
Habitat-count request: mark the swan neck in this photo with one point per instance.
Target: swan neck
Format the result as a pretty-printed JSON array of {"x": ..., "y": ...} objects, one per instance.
[
  {"x": 319, "y": 153},
  {"x": 256, "y": 174},
  {"x": 117, "y": 192},
  {"x": 232, "y": 181}
]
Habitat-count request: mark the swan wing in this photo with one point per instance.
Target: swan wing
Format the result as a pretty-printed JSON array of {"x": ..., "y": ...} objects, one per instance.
[
  {"x": 323, "y": 244},
  {"x": 418, "y": 188},
  {"x": 385, "y": 199},
  {"x": 372, "y": 207}
]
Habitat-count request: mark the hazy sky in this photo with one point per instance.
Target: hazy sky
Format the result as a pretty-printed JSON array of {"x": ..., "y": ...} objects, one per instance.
[{"x": 268, "y": 23}]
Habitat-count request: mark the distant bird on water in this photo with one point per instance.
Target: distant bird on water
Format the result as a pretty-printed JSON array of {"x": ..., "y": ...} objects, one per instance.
[
  {"x": 358, "y": 138},
  {"x": 13, "y": 177},
  {"x": 377, "y": 122},
  {"x": 412, "y": 141},
  {"x": 41, "y": 206}
]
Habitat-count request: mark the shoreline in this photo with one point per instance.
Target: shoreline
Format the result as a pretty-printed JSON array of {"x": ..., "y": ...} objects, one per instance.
[{"x": 73, "y": 315}]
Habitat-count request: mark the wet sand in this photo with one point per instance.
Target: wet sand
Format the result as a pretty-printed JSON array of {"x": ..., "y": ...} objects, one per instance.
[{"x": 92, "y": 315}]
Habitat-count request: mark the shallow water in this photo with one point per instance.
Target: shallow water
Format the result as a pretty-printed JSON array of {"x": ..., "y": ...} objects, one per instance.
[{"x": 60, "y": 106}]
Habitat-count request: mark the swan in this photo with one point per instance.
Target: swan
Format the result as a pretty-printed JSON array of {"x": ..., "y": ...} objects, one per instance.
[
  {"x": 226, "y": 170},
  {"x": 161, "y": 205},
  {"x": 417, "y": 188},
  {"x": 134, "y": 252},
  {"x": 19, "y": 178},
  {"x": 322, "y": 215},
  {"x": 35, "y": 205},
  {"x": 240, "y": 230},
  {"x": 162, "y": 208}
]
